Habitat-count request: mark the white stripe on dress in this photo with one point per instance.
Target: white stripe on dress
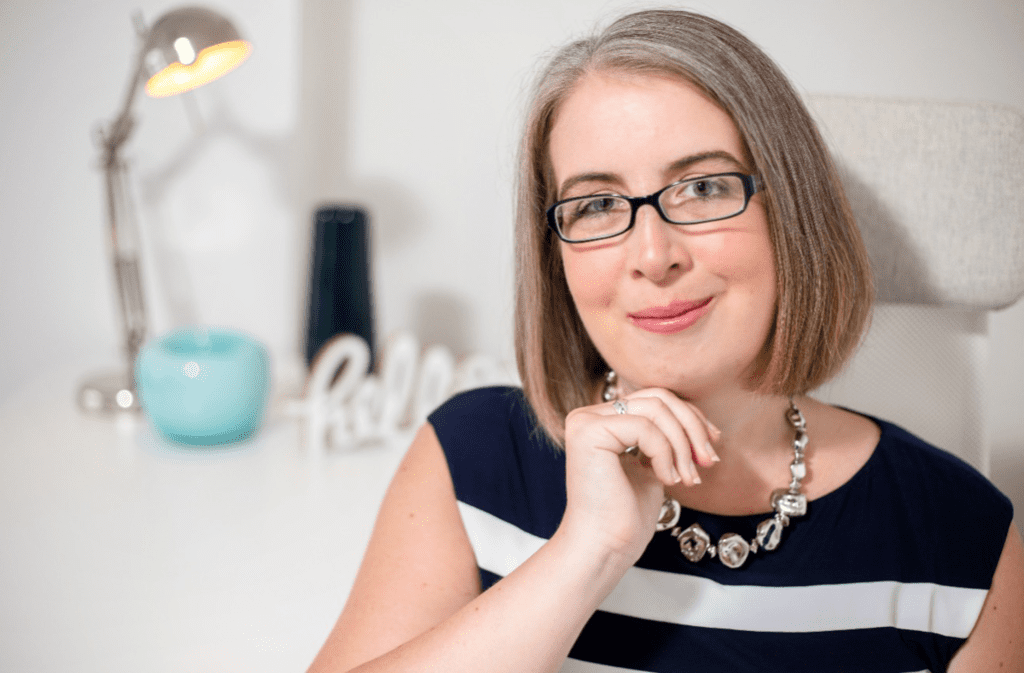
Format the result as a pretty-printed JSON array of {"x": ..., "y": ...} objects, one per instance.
[
  {"x": 577, "y": 666},
  {"x": 501, "y": 547}
]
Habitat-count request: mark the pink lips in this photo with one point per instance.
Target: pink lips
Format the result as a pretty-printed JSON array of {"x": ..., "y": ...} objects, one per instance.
[{"x": 670, "y": 319}]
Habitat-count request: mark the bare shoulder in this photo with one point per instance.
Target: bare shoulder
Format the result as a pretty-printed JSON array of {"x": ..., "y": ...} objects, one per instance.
[
  {"x": 997, "y": 641},
  {"x": 419, "y": 567},
  {"x": 841, "y": 442}
]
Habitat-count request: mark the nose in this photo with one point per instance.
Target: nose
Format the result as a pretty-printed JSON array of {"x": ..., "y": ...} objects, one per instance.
[{"x": 658, "y": 250}]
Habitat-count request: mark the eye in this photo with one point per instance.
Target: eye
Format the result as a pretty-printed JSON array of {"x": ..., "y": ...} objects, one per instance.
[
  {"x": 594, "y": 216},
  {"x": 705, "y": 188},
  {"x": 598, "y": 205},
  {"x": 704, "y": 199}
]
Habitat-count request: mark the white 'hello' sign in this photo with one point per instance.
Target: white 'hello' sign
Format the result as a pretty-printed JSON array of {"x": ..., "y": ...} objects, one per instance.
[{"x": 345, "y": 407}]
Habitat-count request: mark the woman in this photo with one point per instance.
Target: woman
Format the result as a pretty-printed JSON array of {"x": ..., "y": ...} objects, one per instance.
[{"x": 688, "y": 270}]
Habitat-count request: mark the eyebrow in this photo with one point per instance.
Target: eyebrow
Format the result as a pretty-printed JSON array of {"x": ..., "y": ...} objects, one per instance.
[{"x": 675, "y": 166}]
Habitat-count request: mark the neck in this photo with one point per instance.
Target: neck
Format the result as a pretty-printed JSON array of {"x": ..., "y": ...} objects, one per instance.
[
  {"x": 753, "y": 426},
  {"x": 756, "y": 448}
]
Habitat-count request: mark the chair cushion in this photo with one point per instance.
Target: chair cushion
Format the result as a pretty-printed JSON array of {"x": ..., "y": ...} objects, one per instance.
[{"x": 936, "y": 188}]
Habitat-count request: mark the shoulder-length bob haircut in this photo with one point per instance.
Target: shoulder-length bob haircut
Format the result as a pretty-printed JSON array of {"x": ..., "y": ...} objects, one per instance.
[{"x": 824, "y": 285}]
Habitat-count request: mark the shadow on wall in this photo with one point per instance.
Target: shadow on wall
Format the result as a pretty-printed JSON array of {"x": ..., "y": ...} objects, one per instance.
[
  {"x": 229, "y": 238},
  {"x": 443, "y": 319},
  {"x": 1008, "y": 476},
  {"x": 219, "y": 216}
]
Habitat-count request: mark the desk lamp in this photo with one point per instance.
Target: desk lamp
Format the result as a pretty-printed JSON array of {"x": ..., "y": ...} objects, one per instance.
[{"x": 184, "y": 49}]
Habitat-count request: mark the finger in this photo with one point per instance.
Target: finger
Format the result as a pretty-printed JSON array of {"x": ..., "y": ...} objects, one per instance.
[
  {"x": 694, "y": 423},
  {"x": 658, "y": 412},
  {"x": 636, "y": 430},
  {"x": 706, "y": 456},
  {"x": 713, "y": 430},
  {"x": 633, "y": 433}
]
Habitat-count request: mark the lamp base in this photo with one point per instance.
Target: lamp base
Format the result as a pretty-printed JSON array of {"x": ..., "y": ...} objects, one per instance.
[{"x": 106, "y": 394}]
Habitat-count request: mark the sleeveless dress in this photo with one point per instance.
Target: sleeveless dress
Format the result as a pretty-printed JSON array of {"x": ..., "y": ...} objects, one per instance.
[{"x": 887, "y": 573}]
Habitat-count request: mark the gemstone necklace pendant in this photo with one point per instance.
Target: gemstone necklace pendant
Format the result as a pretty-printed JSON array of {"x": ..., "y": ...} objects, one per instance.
[{"x": 731, "y": 549}]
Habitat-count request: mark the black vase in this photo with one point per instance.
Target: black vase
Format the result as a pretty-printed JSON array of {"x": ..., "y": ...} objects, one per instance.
[{"x": 340, "y": 299}]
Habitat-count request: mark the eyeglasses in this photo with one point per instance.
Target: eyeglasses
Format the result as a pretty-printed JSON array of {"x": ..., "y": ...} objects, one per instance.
[{"x": 691, "y": 201}]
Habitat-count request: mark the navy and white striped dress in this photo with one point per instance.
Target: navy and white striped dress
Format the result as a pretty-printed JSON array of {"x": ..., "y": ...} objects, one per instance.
[{"x": 886, "y": 574}]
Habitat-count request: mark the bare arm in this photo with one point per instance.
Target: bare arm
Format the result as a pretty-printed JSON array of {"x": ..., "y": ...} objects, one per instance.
[
  {"x": 417, "y": 601},
  {"x": 997, "y": 641}
]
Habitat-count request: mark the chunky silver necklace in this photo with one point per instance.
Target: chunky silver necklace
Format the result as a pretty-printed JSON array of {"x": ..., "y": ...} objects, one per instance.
[{"x": 731, "y": 549}]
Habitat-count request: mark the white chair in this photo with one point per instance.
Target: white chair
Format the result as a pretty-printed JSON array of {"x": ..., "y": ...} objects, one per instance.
[{"x": 937, "y": 191}]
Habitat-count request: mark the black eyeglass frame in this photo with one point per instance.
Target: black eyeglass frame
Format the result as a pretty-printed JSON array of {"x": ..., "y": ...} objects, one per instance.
[{"x": 750, "y": 187}]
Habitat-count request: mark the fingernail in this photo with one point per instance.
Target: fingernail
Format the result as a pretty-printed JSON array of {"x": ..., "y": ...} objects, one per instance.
[
  {"x": 711, "y": 451},
  {"x": 676, "y": 477},
  {"x": 696, "y": 477}
]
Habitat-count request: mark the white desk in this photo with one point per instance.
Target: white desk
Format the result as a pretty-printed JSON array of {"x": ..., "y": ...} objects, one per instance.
[{"x": 122, "y": 552}]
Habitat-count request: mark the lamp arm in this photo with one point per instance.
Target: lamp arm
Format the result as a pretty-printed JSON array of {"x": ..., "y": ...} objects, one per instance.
[
  {"x": 117, "y": 391},
  {"x": 124, "y": 232}
]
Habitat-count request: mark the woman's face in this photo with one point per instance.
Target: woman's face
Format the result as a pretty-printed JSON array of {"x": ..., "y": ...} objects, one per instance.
[{"x": 685, "y": 307}]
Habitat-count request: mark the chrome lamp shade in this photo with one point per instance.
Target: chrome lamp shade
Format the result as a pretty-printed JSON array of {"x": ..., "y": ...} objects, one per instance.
[{"x": 189, "y": 47}]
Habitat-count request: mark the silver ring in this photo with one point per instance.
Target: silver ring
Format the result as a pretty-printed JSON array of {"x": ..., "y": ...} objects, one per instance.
[{"x": 620, "y": 406}]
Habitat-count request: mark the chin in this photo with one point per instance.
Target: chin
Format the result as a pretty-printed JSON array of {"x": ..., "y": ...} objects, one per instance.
[{"x": 693, "y": 384}]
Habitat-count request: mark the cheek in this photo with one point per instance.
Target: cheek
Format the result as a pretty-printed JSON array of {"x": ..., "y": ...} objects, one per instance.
[
  {"x": 762, "y": 270},
  {"x": 757, "y": 271},
  {"x": 591, "y": 278},
  {"x": 746, "y": 259},
  {"x": 744, "y": 264}
]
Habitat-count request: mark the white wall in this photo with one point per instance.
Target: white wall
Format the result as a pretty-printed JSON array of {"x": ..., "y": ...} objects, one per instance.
[
  {"x": 218, "y": 206},
  {"x": 410, "y": 108}
]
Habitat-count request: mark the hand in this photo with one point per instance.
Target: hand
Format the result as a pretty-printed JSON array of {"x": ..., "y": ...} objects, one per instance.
[{"x": 614, "y": 499}]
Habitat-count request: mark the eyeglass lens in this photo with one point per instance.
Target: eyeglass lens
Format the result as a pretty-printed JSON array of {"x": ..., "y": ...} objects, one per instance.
[{"x": 688, "y": 202}]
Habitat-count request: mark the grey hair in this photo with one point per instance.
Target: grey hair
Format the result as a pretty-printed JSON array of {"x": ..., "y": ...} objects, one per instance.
[{"x": 823, "y": 277}]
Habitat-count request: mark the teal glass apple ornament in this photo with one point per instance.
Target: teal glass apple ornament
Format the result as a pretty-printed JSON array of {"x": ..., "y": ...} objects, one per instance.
[{"x": 204, "y": 386}]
